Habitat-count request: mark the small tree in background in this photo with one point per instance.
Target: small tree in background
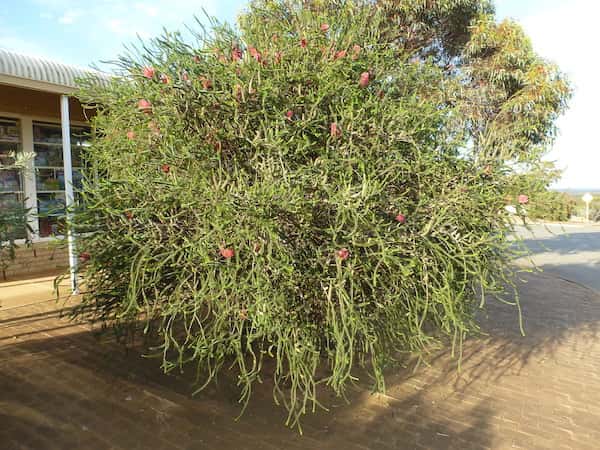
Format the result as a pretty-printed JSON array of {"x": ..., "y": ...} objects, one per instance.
[
  {"x": 298, "y": 191},
  {"x": 13, "y": 217}
]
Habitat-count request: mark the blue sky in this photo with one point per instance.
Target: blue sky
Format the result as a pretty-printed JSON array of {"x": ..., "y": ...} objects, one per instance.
[{"x": 82, "y": 33}]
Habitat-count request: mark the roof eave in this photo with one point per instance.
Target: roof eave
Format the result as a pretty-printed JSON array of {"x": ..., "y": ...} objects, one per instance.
[{"x": 36, "y": 85}]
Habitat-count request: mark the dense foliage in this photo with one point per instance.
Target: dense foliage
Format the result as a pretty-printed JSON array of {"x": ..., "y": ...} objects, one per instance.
[{"x": 299, "y": 191}]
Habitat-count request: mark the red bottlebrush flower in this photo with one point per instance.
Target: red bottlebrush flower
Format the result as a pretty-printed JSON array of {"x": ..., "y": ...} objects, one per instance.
[
  {"x": 129, "y": 215},
  {"x": 401, "y": 218},
  {"x": 523, "y": 199},
  {"x": 165, "y": 168},
  {"x": 278, "y": 57},
  {"x": 227, "y": 253},
  {"x": 289, "y": 114},
  {"x": 84, "y": 257},
  {"x": 365, "y": 79},
  {"x": 236, "y": 54},
  {"x": 334, "y": 130},
  {"x": 340, "y": 54},
  {"x": 356, "y": 51},
  {"x": 164, "y": 79},
  {"x": 206, "y": 83},
  {"x": 185, "y": 76},
  {"x": 255, "y": 54},
  {"x": 303, "y": 43},
  {"x": 343, "y": 254},
  {"x": 130, "y": 135},
  {"x": 148, "y": 72},
  {"x": 324, "y": 27},
  {"x": 145, "y": 106}
]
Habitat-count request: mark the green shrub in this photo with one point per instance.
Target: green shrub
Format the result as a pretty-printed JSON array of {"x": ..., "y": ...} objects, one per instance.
[
  {"x": 551, "y": 205},
  {"x": 13, "y": 226},
  {"x": 295, "y": 192}
]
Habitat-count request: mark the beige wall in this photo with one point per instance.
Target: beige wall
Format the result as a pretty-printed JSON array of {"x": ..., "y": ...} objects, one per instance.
[{"x": 41, "y": 258}]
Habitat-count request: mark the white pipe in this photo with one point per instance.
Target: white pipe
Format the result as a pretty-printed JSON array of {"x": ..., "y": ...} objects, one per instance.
[{"x": 69, "y": 197}]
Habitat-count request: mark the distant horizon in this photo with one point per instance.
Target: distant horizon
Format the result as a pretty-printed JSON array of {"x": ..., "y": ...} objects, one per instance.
[{"x": 576, "y": 189}]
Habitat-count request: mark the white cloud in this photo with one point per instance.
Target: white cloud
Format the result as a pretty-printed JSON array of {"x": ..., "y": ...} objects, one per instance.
[
  {"x": 567, "y": 35},
  {"x": 149, "y": 10},
  {"x": 69, "y": 17}
]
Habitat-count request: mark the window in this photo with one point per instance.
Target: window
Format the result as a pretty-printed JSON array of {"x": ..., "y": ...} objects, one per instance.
[
  {"x": 49, "y": 173},
  {"x": 12, "y": 193}
]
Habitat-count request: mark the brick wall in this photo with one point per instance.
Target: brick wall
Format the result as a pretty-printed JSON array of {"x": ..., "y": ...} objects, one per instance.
[{"x": 42, "y": 258}]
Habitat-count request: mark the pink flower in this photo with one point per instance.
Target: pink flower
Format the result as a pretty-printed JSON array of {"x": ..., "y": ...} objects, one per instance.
[
  {"x": 236, "y": 54},
  {"x": 289, "y": 114},
  {"x": 84, "y": 257},
  {"x": 364, "y": 79},
  {"x": 148, "y": 72},
  {"x": 303, "y": 43},
  {"x": 255, "y": 54},
  {"x": 130, "y": 135},
  {"x": 523, "y": 199},
  {"x": 164, "y": 79},
  {"x": 185, "y": 76},
  {"x": 165, "y": 168},
  {"x": 324, "y": 27},
  {"x": 206, "y": 83},
  {"x": 334, "y": 130},
  {"x": 339, "y": 54},
  {"x": 401, "y": 218},
  {"x": 145, "y": 106},
  {"x": 343, "y": 254},
  {"x": 227, "y": 253}
]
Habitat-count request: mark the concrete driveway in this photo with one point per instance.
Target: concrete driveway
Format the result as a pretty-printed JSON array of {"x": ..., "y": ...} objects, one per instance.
[{"x": 571, "y": 251}]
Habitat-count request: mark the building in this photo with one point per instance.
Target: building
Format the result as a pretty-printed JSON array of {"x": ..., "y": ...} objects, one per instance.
[{"x": 39, "y": 115}]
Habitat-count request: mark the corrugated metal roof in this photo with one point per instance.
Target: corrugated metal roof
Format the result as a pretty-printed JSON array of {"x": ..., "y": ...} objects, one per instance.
[{"x": 59, "y": 77}]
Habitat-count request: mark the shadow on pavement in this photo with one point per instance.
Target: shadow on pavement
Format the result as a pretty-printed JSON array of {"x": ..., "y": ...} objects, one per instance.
[
  {"x": 564, "y": 244},
  {"x": 68, "y": 388}
]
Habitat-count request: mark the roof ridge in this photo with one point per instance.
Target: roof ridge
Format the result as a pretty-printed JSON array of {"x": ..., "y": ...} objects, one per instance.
[{"x": 52, "y": 61}]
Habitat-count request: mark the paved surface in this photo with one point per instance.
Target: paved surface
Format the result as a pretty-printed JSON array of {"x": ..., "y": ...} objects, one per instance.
[
  {"x": 571, "y": 251},
  {"x": 64, "y": 387}
]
